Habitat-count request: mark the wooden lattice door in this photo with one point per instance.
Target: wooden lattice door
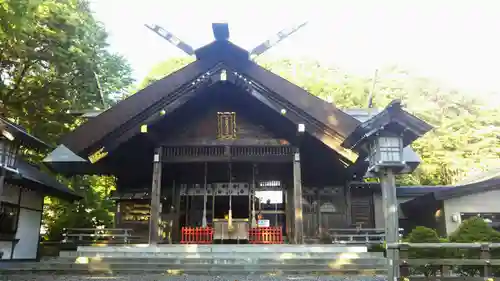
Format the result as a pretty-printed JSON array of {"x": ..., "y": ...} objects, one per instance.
[{"x": 362, "y": 211}]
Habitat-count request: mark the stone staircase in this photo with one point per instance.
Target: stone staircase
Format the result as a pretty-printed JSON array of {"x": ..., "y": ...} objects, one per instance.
[{"x": 209, "y": 260}]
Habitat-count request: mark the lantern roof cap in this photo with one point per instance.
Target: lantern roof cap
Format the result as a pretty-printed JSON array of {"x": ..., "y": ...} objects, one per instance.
[
  {"x": 393, "y": 120},
  {"x": 21, "y": 135}
]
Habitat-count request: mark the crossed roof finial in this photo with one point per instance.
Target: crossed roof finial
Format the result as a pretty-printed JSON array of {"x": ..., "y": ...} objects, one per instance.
[{"x": 221, "y": 33}]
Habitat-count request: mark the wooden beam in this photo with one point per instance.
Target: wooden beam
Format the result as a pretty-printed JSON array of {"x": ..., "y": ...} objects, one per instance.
[
  {"x": 154, "y": 219},
  {"x": 255, "y": 159}
]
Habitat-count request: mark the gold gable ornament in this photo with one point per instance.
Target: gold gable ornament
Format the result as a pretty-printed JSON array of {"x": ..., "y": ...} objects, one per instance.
[
  {"x": 226, "y": 125},
  {"x": 98, "y": 155}
]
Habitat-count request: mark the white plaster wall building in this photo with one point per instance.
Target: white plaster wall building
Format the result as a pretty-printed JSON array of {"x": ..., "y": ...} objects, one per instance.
[
  {"x": 23, "y": 187},
  {"x": 446, "y": 208}
]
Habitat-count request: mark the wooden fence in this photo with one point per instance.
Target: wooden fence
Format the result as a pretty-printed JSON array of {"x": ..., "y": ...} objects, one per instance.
[
  {"x": 87, "y": 236},
  {"x": 358, "y": 236},
  {"x": 452, "y": 256}
]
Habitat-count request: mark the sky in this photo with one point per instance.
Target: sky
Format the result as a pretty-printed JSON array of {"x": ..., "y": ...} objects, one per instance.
[{"x": 454, "y": 42}]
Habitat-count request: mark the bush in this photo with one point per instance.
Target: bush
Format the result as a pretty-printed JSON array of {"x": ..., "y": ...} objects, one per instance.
[
  {"x": 474, "y": 230},
  {"x": 377, "y": 248},
  {"x": 423, "y": 234}
]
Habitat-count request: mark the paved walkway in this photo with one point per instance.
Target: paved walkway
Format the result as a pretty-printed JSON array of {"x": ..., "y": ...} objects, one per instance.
[{"x": 151, "y": 277}]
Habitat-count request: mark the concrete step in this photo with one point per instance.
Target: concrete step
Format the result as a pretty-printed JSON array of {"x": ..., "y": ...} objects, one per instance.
[
  {"x": 190, "y": 268},
  {"x": 210, "y": 259},
  {"x": 235, "y": 261},
  {"x": 217, "y": 255},
  {"x": 282, "y": 248}
]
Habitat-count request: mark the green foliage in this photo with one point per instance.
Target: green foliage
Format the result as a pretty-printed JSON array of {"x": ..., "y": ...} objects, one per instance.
[
  {"x": 423, "y": 234},
  {"x": 95, "y": 210},
  {"x": 52, "y": 53},
  {"x": 54, "y": 58},
  {"x": 474, "y": 230},
  {"x": 163, "y": 69},
  {"x": 377, "y": 248}
]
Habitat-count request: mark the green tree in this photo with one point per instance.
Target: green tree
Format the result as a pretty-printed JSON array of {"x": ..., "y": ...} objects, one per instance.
[
  {"x": 163, "y": 69},
  {"x": 91, "y": 212},
  {"x": 53, "y": 59}
]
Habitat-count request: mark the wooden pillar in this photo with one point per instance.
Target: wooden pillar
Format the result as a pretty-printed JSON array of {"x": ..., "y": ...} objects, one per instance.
[
  {"x": 177, "y": 213},
  {"x": 118, "y": 214},
  {"x": 290, "y": 214},
  {"x": 297, "y": 200},
  {"x": 348, "y": 213},
  {"x": 318, "y": 212},
  {"x": 154, "y": 219},
  {"x": 390, "y": 201}
]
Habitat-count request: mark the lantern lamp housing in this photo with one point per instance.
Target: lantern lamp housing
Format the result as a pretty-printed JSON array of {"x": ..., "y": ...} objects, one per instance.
[
  {"x": 8, "y": 153},
  {"x": 386, "y": 151}
]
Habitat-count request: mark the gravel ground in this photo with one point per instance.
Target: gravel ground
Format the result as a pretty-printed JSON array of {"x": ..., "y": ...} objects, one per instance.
[{"x": 149, "y": 277}]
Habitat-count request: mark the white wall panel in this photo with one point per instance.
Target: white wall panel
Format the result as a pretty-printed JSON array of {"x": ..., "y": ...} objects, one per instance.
[
  {"x": 5, "y": 247},
  {"x": 28, "y": 233}
]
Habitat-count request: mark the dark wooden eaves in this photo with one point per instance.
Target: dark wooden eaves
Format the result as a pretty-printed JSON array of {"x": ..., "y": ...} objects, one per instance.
[
  {"x": 94, "y": 130},
  {"x": 32, "y": 176}
]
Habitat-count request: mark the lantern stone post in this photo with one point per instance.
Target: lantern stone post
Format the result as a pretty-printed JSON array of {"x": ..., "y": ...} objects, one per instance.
[
  {"x": 386, "y": 160},
  {"x": 382, "y": 138}
]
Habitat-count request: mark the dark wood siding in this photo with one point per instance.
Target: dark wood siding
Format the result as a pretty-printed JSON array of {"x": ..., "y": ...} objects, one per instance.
[{"x": 203, "y": 131}]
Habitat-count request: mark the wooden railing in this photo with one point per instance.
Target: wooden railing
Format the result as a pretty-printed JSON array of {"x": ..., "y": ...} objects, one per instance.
[
  {"x": 367, "y": 236},
  {"x": 85, "y": 236},
  {"x": 445, "y": 268}
]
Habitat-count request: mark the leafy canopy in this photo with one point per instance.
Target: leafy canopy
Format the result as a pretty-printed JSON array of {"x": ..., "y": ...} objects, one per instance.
[{"x": 54, "y": 59}]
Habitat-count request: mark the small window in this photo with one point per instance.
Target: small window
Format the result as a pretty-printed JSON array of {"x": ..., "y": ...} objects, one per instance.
[
  {"x": 226, "y": 125},
  {"x": 492, "y": 219},
  {"x": 8, "y": 218}
]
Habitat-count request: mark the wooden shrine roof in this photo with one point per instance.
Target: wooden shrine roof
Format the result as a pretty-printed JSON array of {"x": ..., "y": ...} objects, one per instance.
[{"x": 217, "y": 55}]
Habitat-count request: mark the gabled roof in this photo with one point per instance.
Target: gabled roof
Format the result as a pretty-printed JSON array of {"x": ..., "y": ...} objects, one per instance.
[
  {"x": 456, "y": 191},
  {"x": 405, "y": 191},
  {"x": 482, "y": 185},
  {"x": 23, "y": 137},
  {"x": 325, "y": 121}
]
